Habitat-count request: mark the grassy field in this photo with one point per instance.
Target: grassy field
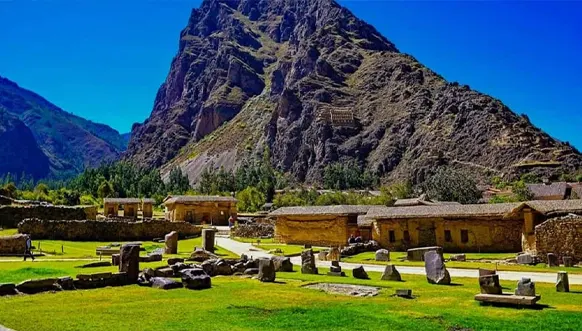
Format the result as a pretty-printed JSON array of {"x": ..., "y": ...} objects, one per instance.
[
  {"x": 474, "y": 261},
  {"x": 288, "y": 250},
  {"x": 245, "y": 304},
  {"x": 58, "y": 249}
]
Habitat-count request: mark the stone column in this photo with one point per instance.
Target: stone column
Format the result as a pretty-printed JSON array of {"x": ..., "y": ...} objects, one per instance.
[
  {"x": 129, "y": 261},
  {"x": 208, "y": 239},
  {"x": 171, "y": 241},
  {"x": 563, "y": 284}
]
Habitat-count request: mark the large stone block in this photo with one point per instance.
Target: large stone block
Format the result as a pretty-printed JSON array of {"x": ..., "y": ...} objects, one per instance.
[
  {"x": 208, "y": 238},
  {"x": 417, "y": 254},
  {"x": 563, "y": 283},
  {"x": 568, "y": 263},
  {"x": 171, "y": 243},
  {"x": 266, "y": 270},
  {"x": 486, "y": 272},
  {"x": 390, "y": 273},
  {"x": 129, "y": 261},
  {"x": 308, "y": 262},
  {"x": 334, "y": 254},
  {"x": 527, "y": 259},
  {"x": 360, "y": 273},
  {"x": 7, "y": 289},
  {"x": 196, "y": 279},
  {"x": 165, "y": 283},
  {"x": 525, "y": 287},
  {"x": 282, "y": 263},
  {"x": 33, "y": 286},
  {"x": 436, "y": 272},
  {"x": 13, "y": 245},
  {"x": 553, "y": 260},
  {"x": 382, "y": 255},
  {"x": 489, "y": 284}
]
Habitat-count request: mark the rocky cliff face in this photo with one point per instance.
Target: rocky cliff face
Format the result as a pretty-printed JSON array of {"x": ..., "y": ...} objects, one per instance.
[
  {"x": 19, "y": 150},
  {"x": 317, "y": 85},
  {"x": 70, "y": 143}
]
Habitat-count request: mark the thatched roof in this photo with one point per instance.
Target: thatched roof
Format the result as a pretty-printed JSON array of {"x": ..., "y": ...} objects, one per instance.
[
  {"x": 321, "y": 210},
  {"x": 189, "y": 199},
  {"x": 447, "y": 210},
  {"x": 122, "y": 201},
  {"x": 541, "y": 191},
  {"x": 152, "y": 201},
  {"x": 554, "y": 206}
]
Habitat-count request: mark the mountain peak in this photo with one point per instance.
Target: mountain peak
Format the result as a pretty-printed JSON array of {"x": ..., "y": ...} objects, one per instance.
[{"x": 317, "y": 85}]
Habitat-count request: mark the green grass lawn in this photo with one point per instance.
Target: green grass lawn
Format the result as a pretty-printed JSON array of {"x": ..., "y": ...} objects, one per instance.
[
  {"x": 8, "y": 232},
  {"x": 245, "y": 304},
  {"x": 474, "y": 261},
  {"x": 58, "y": 249},
  {"x": 254, "y": 240}
]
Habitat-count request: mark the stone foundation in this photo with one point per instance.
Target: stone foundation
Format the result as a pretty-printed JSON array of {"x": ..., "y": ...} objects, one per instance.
[
  {"x": 561, "y": 236},
  {"x": 10, "y": 216},
  {"x": 106, "y": 230},
  {"x": 13, "y": 244}
]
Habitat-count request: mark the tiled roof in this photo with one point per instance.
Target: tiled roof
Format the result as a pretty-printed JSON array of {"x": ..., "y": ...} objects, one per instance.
[
  {"x": 321, "y": 210},
  {"x": 122, "y": 200},
  {"x": 196, "y": 198},
  {"x": 446, "y": 210},
  {"x": 548, "y": 190},
  {"x": 555, "y": 206}
]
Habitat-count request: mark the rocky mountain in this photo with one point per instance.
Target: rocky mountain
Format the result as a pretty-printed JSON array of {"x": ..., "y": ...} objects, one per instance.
[
  {"x": 317, "y": 85},
  {"x": 70, "y": 143},
  {"x": 19, "y": 150}
]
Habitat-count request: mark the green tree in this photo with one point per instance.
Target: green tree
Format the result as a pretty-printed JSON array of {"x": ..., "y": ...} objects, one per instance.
[
  {"x": 250, "y": 200},
  {"x": 105, "y": 190},
  {"x": 448, "y": 184},
  {"x": 521, "y": 192},
  {"x": 178, "y": 183},
  {"x": 402, "y": 190},
  {"x": 9, "y": 190}
]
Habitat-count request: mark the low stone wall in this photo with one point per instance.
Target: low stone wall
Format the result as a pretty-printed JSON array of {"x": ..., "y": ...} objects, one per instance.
[
  {"x": 10, "y": 216},
  {"x": 106, "y": 230},
  {"x": 561, "y": 236},
  {"x": 12, "y": 244}
]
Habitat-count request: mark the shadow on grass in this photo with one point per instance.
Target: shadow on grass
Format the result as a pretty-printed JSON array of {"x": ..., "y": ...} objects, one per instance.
[
  {"x": 279, "y": 282},
  {"x": 514, "y": 306}
]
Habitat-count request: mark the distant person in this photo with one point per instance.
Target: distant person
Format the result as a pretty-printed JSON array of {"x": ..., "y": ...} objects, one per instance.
[
  {"x": 230, "y": 222},
  {"x": 352, "y": 239},
  {"x": 28, "y": 249}
]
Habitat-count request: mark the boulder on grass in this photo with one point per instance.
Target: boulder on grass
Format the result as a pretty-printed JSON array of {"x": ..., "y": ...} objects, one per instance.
[
  {"x": 66, "y": 283},
  {"x": 382, "y": 255},
  {"x": 165, "y": 283},
  {"x": 525, "y": 287},
  {"x": 171, "y": 240},
  {"x": 308, "y": 262},
  {"x": 222, "y": 268},
  {"x": 174, "y": 260},
  {"x": 563, "y": 284},
  {"x": 251, "y": 271},
  {"x": 526, "y": 259},
  {"x": 129, "y": 261},
  {"x": 567, "y": 261},
  {"x": 553, "y": 260},
  {"x": 390, "y": 273},
  {"x": 7, "y": 289},
  {"x": 266, "y": 270},
  {"x": 196, "y": 279},
  {"x": 360, "y": 273},
  {"x": 489, "y": 284},
  {"x": 97, "y": 264},
  {"x": 434, "y": 266},
  {"x": 201, "y": 255},
  {"x": 164, "y": 272},
  {"x": 282, "y": 263},
  {"x": 34, "y": 286}
]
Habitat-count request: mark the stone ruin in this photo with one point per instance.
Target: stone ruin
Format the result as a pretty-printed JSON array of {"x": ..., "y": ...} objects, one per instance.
[
  {"x": 357, "y": 248},
  {"x": 13, "y": 245},
  {"x": 308, "y": 262},
  {"x": 390, "y": 273},
  {"x": 336, "y": 270},
  {"x": 436, "y": 271}
]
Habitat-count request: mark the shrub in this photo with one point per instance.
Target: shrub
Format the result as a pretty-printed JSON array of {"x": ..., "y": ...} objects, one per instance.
[
  {"x": 448, "y": 184},
  {"x": 250, "y": 200},
  {"x": 521, "y": 192}
]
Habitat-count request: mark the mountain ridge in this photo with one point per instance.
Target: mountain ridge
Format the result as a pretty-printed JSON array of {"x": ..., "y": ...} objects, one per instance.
[
  {"x": 71, "y": 143},
  {"x": 317, "y": 85}
]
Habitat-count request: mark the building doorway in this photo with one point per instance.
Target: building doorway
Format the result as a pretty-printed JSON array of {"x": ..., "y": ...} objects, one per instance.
[{"x": 426, "y": 235}]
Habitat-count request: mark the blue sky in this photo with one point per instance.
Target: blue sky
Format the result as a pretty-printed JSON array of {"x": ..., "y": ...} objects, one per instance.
[{"x": 104, "y": 60}]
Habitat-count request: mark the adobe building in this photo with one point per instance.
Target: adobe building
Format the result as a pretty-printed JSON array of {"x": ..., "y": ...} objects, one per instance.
[
  {"x": 147, "y": 208},
  {"x": 215, "y": 210},
  {"x": 506, "y": 227},
  {"x": 130, "y": 207},
  {"x": 317, "y": 225}
]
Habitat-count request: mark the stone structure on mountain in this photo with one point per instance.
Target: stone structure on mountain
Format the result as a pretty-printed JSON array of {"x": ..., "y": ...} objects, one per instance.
[{"x": 315, "y": 84}]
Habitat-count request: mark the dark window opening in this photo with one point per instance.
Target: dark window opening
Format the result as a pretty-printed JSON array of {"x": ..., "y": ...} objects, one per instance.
[
  {"x": 448, "y": 236},
  {"x": 406, "y": 235},
  {"x": 465, "y": 236},
  {"x": 392, "y": 236}
]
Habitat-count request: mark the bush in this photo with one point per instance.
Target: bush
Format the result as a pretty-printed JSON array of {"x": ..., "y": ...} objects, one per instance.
[
  {"x": 250, "y": 200},
  {"x": 448, "y": 184},
  {"x": 530, "y": 179},
  {"x": 521, "y": 192}
]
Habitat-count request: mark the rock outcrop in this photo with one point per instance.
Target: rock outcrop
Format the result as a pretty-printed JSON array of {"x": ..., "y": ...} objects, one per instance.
[{"x": 316, "y": 85}]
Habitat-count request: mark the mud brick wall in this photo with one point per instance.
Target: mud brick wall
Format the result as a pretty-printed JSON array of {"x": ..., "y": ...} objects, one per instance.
[
  {"x": 13, "y": 244},
  {"x": 10, "y": 216},
  {"x": 106, "y": 230}
]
